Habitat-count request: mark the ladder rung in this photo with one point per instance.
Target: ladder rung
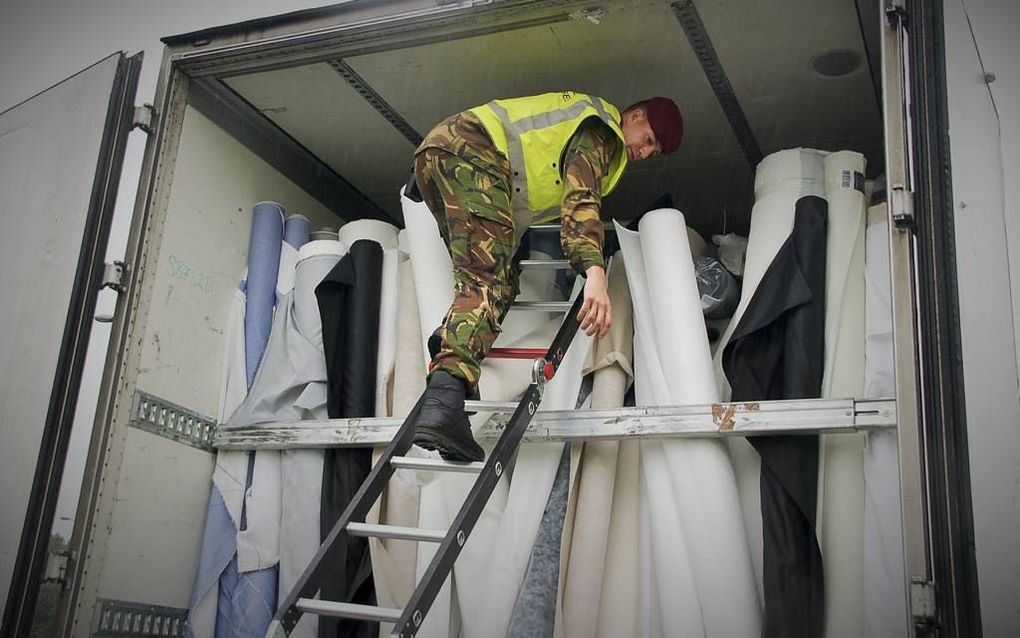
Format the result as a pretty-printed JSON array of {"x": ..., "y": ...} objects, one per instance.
[
  {"x": 490, "y": 406},
  {"x": 348, "y": 610},
  {"x": 414, "y": 463},
  {"x": 545, "y": 264},
  {"x": 395, "y": 531},
  {"x": 547, "y": 306}
]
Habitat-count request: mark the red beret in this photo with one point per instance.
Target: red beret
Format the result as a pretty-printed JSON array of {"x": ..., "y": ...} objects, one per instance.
[{"x": 666, "y": 122}]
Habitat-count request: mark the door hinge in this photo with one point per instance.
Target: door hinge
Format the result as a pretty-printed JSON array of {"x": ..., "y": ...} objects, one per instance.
[
  {"x": 922, "y": 602},
  {"x": 58, "y": 564},
  {"x": 895, "y": 10},
  {"x": 143, "y": 118},
  {"x": 113, "y": 275},
  {"x": 902, "y": 202}
]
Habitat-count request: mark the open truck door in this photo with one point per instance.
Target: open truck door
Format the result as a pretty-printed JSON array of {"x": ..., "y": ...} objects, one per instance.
[{"x": 61, "y": 154}]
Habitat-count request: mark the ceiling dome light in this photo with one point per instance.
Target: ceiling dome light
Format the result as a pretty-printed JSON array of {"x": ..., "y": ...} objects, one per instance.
[{"x": 836, "y": 63}]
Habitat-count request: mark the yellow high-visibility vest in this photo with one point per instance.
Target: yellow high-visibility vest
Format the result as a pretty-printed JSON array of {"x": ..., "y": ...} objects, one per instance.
[{"x": 533, "y": 132}]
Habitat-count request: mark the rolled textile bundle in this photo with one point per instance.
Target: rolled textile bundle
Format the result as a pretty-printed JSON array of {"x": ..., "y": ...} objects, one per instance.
[
  {"x": 781, "y": 179},
  {"x": 301, "y": 470},
  {"x": 841, "y": 510},
  {"x": 610, "y": 362},
  {"x": 432, "y": 267},
  {"x": 382, "y": 233},
  {"x": 260, "y": 291},
  {"x": 885, "y": 605},
  {"x": 844, "y": 276},
  {"x": 699, "y": 472},
  {"x": 296, "y": 233}
]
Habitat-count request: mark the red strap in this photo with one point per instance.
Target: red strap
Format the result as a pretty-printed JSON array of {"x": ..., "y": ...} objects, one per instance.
[{"x": 517, "y": 353}]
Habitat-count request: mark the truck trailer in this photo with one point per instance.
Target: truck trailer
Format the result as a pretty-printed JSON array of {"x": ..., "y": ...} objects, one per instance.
[{"x": 322, "y": 109}]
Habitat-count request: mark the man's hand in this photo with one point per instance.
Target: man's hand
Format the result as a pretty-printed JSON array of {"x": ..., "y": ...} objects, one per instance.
[{"x": 596, "y": 312}]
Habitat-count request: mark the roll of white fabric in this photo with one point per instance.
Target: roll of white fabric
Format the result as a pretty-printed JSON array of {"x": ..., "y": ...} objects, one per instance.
[
  {"x": 844, "y": 276},
  {"x": 618, "y": 609},
  {"x": 700, "y": 473},
  {"x": 885, "y": 605},
  {"x": 433, "y": 270},
  {"x": 665, "y": 567},
  {"x": 387, "y": 353},
  {"x": 841, "y": 511},
  {"x": 382, "y": 233},
  {"x": 779, "y": 181},
  {"x": 590, "y": 545}
]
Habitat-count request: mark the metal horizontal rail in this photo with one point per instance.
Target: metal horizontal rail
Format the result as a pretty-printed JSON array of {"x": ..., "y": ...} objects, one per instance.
[{"x": 714, "y": 420}]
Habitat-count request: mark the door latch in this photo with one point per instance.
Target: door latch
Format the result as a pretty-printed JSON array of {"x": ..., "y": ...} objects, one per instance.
[
  {"x": 922, "y": 602},
  {"x": 58, "y": 563}
]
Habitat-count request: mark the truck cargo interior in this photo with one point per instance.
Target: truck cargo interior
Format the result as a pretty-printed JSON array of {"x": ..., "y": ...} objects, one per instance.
[
  {"x": 751, "y": 78},
  {"x": 326, "y": 125}
]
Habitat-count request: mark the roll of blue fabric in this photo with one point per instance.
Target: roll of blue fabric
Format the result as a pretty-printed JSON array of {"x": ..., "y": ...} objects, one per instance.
[
  {"x": 263, "y": 268},
  {"x": 296, "y": 230}
]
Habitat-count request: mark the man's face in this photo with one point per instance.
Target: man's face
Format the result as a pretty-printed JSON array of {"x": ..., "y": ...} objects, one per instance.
[{"x": 638, "y": 134}]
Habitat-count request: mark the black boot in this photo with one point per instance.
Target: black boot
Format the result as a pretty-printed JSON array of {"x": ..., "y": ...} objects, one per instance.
[{"x": 442, "y": 423}]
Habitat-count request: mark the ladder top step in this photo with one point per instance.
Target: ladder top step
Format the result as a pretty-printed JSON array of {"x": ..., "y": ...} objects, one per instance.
[
  {"x": 550, "y": 306},
  {"x": 551, "y": 264},
  {"x": 348, "y": 610},
  {"x": 395, "y": 531},
  {"x": 547, "y": 227},
  {"x": 490, "y": 406},
  {"x": 439, "y": 465}
]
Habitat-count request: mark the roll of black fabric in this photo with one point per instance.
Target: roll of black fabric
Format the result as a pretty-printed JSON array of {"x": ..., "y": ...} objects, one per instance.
[
  {"x": 349, "y": 300},
  {"x": 777, "y": 351}
]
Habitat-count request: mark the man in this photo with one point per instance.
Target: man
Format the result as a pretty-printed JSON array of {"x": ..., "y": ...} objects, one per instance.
[{"x": 487, "y": 174}]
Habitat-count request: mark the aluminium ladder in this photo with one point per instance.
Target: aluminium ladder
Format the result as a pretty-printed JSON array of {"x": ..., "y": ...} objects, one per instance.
[{"x": 407, "y": 621}]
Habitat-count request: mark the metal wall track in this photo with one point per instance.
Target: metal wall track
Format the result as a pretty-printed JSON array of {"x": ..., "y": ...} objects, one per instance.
[
  {"x": 376, "y": 101},
  {"x": 692, "y": 25},
  {"x": 116, "y": 618},
  {"x": 170, "y": 421}
]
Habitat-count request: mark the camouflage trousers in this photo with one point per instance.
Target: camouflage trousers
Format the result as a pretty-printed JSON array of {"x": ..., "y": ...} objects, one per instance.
[{"x": 472, "y": 209}]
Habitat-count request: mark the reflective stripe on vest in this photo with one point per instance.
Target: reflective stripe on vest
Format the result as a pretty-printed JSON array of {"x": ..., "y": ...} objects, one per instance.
[{"x": 541, "y": 115}]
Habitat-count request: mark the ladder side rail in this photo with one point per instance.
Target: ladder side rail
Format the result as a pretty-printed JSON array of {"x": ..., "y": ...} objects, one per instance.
[
  {"x": 310, "y": 582},
  {"x": 565, "y": 335}
]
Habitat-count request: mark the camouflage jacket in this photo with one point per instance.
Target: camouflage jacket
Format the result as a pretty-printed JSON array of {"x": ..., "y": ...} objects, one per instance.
[{"x": 586, "y": 159}]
